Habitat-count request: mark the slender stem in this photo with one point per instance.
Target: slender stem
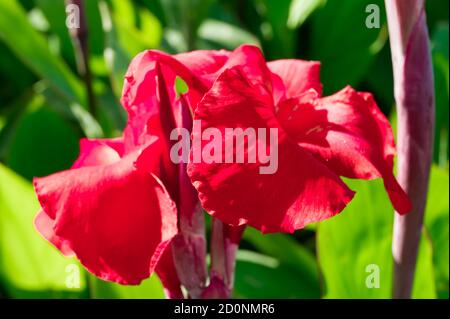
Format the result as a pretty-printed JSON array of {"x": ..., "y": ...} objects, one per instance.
[
  {"x": 224, "y": 245},
  {"x": 414, "y": 94},
  {"x": 189, "y": 246},
  {"x": 81, "y": 45},
  {"x": 189, "y": 252}
]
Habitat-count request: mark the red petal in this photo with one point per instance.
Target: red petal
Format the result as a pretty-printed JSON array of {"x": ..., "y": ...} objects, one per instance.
[
  {"x": 349, "y": 134},
  {"x": 252, "y": 62},
  {"x": 208, "y": 65},
  {"x": 44, "y": 224},
  {"x": 204, "y": 63},
  {"x": 168, "y": 275},
  {"x": 117, "y": 219},
  {"x": 99, "y": 152},
  {"x": 301, "y": 191},
  {"x": 298, "y": 76},
  {"x": 142, "y": 69},
  {"x": 149, "y": 92}
]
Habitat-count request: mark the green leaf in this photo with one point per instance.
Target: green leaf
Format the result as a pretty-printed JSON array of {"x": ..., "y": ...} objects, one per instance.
[
  {"x": 54, "y": 11},
  {"x": 225, "y": 35},
  {"x": 437, "y": 12},
  {"x": 52, "y": 69},
  {"x": 137, "y": 28},
  {"x": 14, "y": 76},
  {"x": 70, "y": 111},
  {"x": 14, "y": 22},
  {"x": 111, "y": 114},
  {"x": 437, "y": 223},
  {"x": 43, "y": 143},
  {"x": 279, "y": 39},
  {"x": 29, "y": 265},
  {"x": 287, "y": 250},
  {"x": 441, "y": 80},
  {"x": 93, "y": 20},
  {"x": 116, "y": 57},
  {"x": 12, "y": 116},
  {"x": 150, "y": 288},
  {"x": 261, "y": 276},
  {"x": 180, "y": 86},
  {"x": 360, "y": 238},
  {"x": 124, "y": 39},
  {"x": 379, "y": 81},
  {"x": 185, "y": 18},
  {"x": 343, "y": 44},
  {"x": 300, "y": 10}
]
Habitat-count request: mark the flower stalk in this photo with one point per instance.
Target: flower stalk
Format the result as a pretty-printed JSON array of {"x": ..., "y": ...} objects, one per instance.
[
  {"x": 189, "y": 246},
  {"x": 81, "y": 45},
  {"x": 224, "y": 245},
  {"x": 414, "y": 95}
]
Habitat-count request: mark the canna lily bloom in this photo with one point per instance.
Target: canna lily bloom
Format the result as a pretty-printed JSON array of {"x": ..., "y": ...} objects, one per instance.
[
  {"x": 125, "y": 207},
  {"x": 120, "y": 205},
  {"x": 319, "y": 140}
]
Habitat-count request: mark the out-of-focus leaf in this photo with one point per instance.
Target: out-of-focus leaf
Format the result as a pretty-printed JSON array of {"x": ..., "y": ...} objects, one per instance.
[
  {"x": 173, "y": 42},
  {"x": 261, "y": 276},
  {"x": 54, "y": 11},
  {"x": 29, "y": 266},
  {"x": 279, "y": 40},
  {"x": 70, "y": 111},
  {"x": 379, "y": 80},
  {"x": 437, "y": 12},
  {"x": 14, "y": 76},
  {"x": 286, "y": 250},
  {"x": 441, "y": 80},
  {"x": 123, "y": 37},
  {"x": 96, "y": 38},
  {"x": 12, "y": 117},
  {"x": 137, "y": 28},
  {"x": 356, "y": 245},
  {"x": 437, "y": 223},
  {"x": 155, "y": 7},
  {"x": 38, "y": 20},
  {"x": 150, "y": 288},
  {"x": 111, "y": 114},
  {"x": 300, "y": 10},
  {"x": 116, "y": 57},
  {"x": 343, "y": 43},
  {"x": 225, "y": 35},
  {"x": 14, "y": 22},
  {"x": 186, "y": 17},
  {"x": 43, "y": 143}
]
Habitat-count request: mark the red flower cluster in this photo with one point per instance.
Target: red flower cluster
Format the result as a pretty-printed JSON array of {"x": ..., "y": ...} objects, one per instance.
[{"x": 118, "y": 207}]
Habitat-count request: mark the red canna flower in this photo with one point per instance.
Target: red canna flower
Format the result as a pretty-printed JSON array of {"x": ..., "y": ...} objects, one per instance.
[
  {"x": 319, "y": 139},
  {"x": 120, "y": 205},
  {"x": 125, "y": 206}
]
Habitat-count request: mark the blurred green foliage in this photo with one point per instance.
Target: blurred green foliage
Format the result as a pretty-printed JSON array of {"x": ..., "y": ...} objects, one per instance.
[{"x": 44, "y": 112}]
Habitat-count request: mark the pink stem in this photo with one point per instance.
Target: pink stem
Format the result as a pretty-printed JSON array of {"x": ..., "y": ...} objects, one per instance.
[
  {"x": 189, "y": 246},
  {"x": 189, "y": 251},
  {"x": 414, "y": 94},
  {"x": 224, "y": 245}
]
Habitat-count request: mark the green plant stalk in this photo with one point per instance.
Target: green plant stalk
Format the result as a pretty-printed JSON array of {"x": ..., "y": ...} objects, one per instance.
[{"x": 414, "y": 95}]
